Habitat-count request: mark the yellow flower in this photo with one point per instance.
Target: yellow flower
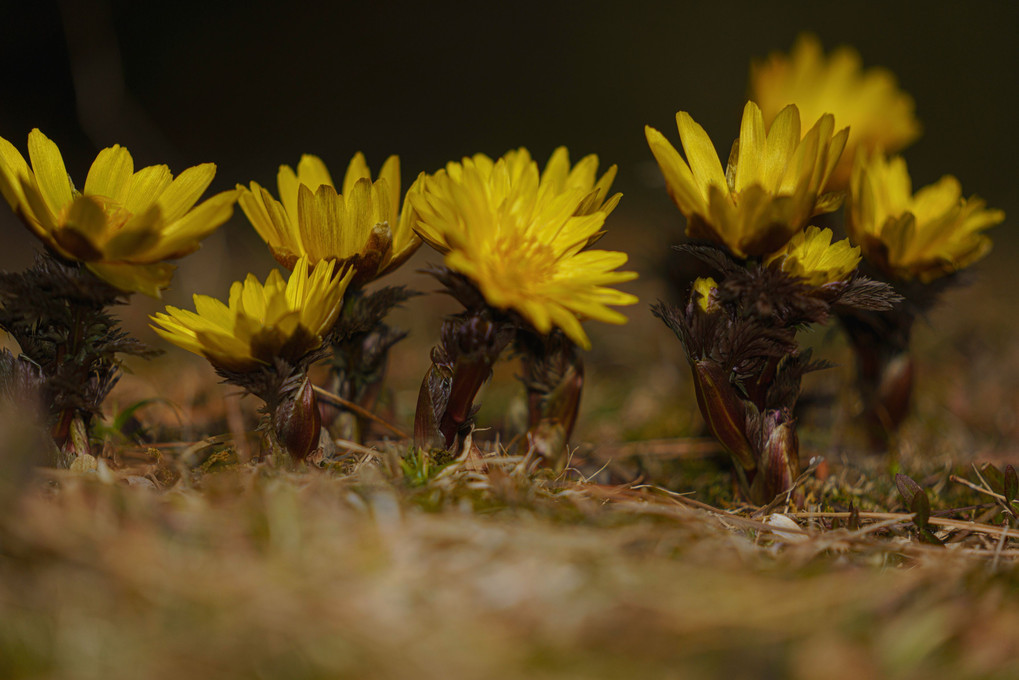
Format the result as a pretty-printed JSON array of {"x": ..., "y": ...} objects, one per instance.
[
  {"x": 124, "y": 224},
  {"x": 924, "y": 235},
  {"x": 702, "y": 288},
  {"x": 363, "y": 226},
  {"x": 772, "y": 185},
  {"x": 810, "y": 255},
  {"x": 284, "y": 319},
  {"x": 520, "y": 236},
  {"x": 878, "y": 113}
]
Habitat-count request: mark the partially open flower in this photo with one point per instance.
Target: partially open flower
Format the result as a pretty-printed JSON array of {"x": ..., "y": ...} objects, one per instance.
[
  {"x": 123, "y": 224},
  {"x": 915, "y": 236},
  {"x": 771, "y": 187},
  {"x": 704, "y": 289},
  {"x": 520, "y": 237},
  {"x": 280, "y": 319},
  {"x": 878, "y": 113},
  {"x": 810, "y": 255},
  {"x": 363, "y": 226}
]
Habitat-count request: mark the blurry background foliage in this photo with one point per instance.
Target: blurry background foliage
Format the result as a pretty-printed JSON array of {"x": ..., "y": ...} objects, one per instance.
[{"x": 250, "y": 85}]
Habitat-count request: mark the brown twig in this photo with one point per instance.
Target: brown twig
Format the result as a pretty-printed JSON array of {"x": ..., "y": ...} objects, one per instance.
[
  {"x": 908, "y": 517},
  {"x": 340, "y": 402}
]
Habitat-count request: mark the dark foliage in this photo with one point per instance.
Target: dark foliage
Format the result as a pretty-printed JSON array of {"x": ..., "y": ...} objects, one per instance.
[{"x": 57, "y": 313}]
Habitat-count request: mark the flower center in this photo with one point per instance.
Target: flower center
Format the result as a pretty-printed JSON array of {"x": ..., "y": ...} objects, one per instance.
[
  {"x": 87, "y": 224},
  {"x": 116, "y": 215},
  {"x": 519, "y": 262}
]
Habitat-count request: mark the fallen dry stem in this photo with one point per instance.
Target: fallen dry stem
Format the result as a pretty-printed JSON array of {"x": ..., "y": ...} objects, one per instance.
[
  {"x": 904, "y": 517},
  {"x": 340, "y": 402}
]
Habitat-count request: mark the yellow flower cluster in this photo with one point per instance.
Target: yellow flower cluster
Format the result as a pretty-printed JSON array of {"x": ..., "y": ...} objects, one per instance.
[
  {"x": 879, "y": 115},
  {"x": 363, "y": 226},
  {"x": 922, "y": 236},
  {"x": 284, "y": 319},
  {"x": 522, "y": 236},
  {"x": 771, "y": 187},
  {"x": 811, "y": 256},
  {"x": 123, "y": 224}
]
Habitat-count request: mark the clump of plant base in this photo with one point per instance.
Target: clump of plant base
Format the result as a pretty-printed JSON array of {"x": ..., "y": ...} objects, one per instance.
[
  {"x": 103, "y": 243},
  {"x": 265, "y": 340},
  {"x": 516, "y": 246},
  {"x": 365, "y": 227},
  {"x": 739, "y": 334},
  {"x": 915, "y": 242},
  {"x": 918, "y": 243}
]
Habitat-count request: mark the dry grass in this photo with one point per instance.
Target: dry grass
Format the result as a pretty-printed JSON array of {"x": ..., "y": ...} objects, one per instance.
[{"x": 477, "y": 569}]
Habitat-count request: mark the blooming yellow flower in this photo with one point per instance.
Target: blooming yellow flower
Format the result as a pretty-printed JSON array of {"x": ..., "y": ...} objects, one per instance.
[
  {"x": 924, "y": 235},
  {"x": 520, "y": 236},
  {"x": 772, "y": 185},
  {"x": 870, "y": 102},
  {"x": 362, "y": 226},
  {"x": 284, "y": 319},
  {"x": 810, "y": 255},
  {"x": 124, "y": 224}
]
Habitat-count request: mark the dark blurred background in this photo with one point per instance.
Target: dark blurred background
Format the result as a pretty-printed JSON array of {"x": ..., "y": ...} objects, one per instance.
[
  {"x": 250, "y": 85},
  {"x": 253, "y": 84}
]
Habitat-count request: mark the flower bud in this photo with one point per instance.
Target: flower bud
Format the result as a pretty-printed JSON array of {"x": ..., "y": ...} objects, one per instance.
[
  {"x": 723, "y": 411},
  {"x": 780, "y": 457},
  {"x": 552, "y": 414},
  {"x": 702, "y": 292},
  {"x": 895, "y": 390},
  {"x": 297, "y": 421}
]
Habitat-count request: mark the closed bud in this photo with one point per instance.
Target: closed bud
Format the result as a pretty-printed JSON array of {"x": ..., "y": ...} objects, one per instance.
[
  {"x": 896, "y": 390},
  {"x": 723, "y": 411},
  {"x": 76, "y": 443},
  {"x": 297, "y": 421},
  {"x": 780, "y": 457}
]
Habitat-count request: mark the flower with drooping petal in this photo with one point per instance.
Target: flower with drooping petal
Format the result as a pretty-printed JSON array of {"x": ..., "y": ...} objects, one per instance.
[
  {"x": 520, "y": 236},
  {"x": 363, "y": 226},
  {"x": 280, "y": 319},
  {"x": 771, "y": 187},
  {"x": 878, "y": 113},
  {"x": 811, "y": 256},
  {"x": 123, "y": 225},
  {"x": 922, "y": 236}
]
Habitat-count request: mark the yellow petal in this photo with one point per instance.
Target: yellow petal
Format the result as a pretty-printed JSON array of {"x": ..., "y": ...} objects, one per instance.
[
  {"x": 678, "y": 178},
  {"x": 312, "y": 172},
  {"x": 16, "y": 179},
  {"x": 183, "y": 235},
  {"x": 700, "y": 154},
  {"x": 567, "y": 321},
  {"x": 144, "y": 187},
  {"x": 356, "y": 170},
  {"x": 185, "y": 191},
  {"x": 318, "y": 223},
  {"x": 50, "y": 173},
  {"x": 751, "y": 163},
  {"x": 783, "y": 136},
  {"x": 287, "y": 183},
  {"x": 109, "y": 173},
  {"x": 149, "y": 279},
  {"x": 557, "y": 169},
  {"x": 391, "y": 174}
]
